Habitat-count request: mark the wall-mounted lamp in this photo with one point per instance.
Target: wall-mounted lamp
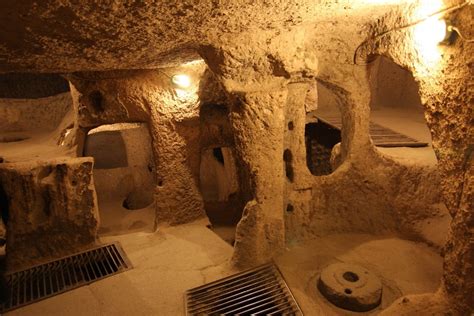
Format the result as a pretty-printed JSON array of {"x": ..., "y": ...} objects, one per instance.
[
  {"x": 181, "y": 80},
  {"x": 450, "y": 36},
  {"x": 429, "y": 34},
  {"x": 432, "y": 31},
  {"x": 443, "y": 33}
]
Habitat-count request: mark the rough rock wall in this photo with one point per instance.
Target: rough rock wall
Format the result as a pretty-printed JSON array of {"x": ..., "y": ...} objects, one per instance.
[
  {"x": 34, "y": 115},
  {"x": 105, "y": 36},
  {"x": 364, "y": 194},
  {"x": 259, "y": 48},
  {"x": 177, "y": 151},
  {"x": 446, "y": 87},
  {"x": 123, "y": 165},
  {"x": 258, "y": 134},
  {"x": 52, "y": 210},
  {"x": 298, "y": 184},
  {"x": 31, "y": 86},
  {"x": 173, "y": 119}
]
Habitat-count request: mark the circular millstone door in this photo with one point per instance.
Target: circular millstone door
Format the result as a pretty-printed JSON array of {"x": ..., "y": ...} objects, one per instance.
[{"x": 350, "y": 287}]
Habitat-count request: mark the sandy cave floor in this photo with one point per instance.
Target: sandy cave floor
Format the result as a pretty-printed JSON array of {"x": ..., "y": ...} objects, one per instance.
[
  {"x": 174, "y": 259},
  {"x": 116, "y": 220},
  {"x": 404, "y": 267}
]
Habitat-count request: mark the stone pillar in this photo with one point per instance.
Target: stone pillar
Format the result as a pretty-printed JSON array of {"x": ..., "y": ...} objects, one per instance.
[
  {"x": 52, "y": 210},
  {"x": 173, "y": 119},
  {"x": 298, "y": 184},
  {"x": 177, "y": 151},
  {"x": 258, "y": 120}
]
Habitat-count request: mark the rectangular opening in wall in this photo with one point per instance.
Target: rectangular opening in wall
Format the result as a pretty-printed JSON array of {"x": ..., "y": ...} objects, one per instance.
[
  {"x": 381, "y": 135},
  {"x": 58, "y": 276}
]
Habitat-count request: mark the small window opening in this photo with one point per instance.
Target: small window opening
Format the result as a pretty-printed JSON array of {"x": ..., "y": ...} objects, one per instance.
[
  {"x": 320, "y": 140},
  {"x": 290, "y": 208},
  {"x": 217, "y": 152},
  {"x": 288, "y": 158}
]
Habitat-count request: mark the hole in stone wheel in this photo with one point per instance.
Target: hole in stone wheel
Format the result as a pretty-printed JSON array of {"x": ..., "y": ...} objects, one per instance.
[
  {"x": 357, "y": 297},
  {"x": 350, "y": 276}
]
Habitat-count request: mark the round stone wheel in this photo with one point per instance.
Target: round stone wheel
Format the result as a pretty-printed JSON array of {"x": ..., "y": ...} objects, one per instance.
[{"x": 350, "y": 287}]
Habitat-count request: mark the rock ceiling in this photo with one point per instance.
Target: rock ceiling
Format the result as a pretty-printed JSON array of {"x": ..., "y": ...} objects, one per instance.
[{"x": 68, "y": 36}]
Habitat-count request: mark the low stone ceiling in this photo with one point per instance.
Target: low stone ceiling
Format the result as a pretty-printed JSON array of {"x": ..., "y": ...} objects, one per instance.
[{"x": 68, "y": 36}]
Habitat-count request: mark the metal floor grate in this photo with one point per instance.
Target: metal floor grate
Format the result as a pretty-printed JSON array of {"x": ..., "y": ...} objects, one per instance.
[
  {"x": 55, "y": 277},
  {"x": 260, "y": 291},
  {"x": 381, "y": 136}
]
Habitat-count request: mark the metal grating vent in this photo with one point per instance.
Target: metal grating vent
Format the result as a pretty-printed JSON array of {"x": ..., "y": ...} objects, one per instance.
[
  {"x": 381, "y": 136},
  {"x": 260, "y": 291},
  {"x": 55, "y": 277}
]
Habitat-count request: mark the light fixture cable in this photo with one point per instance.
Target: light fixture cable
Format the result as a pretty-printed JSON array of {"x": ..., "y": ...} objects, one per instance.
[
  {"x": 455, "y": 29},
  {"x": 440, "y": 12}
]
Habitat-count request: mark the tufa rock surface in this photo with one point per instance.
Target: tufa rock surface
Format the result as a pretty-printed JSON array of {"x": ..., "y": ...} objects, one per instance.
[{"x": 52, "y": 210}]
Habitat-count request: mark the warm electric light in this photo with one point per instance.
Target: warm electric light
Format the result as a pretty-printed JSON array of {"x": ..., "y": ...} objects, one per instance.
[
  {"x": 182, "y": 81},
  {"x": 427, "y": 8},
  {"x": 427, "y": 35},
  {"x": 432, "y": 30}
]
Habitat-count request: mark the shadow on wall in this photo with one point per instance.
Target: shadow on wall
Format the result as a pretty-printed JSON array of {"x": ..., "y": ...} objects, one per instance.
[
  {"x": 31, "y": 86},
  {"x": 219, "y": 186}
]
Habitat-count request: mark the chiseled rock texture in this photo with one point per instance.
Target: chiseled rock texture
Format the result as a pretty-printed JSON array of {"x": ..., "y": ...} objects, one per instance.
[
  {"x": 259, "y": 140},
  {"x": 52, "y": 210},
  {"x": 257, "y": 52},
  {"x": 172, "y": 117},
  {"x": 446, "y": 90}
]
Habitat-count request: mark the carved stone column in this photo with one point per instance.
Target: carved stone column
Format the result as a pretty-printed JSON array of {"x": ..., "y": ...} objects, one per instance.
[{"x": 258, "y": 120}]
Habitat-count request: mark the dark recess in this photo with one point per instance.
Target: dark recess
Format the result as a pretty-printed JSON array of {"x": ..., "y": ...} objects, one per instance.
[
  {"x": 288, "y": 158},
  {"x": 97, "y": 101},
  {"x": 291, "y": 125},
  {"x": 4, "y": 206},
  {"x": 31, "y": 86},
  {"x": 290, "y": 208},
  {"x": 320, "y": 139},
  {"x": 217, "y": 152}
]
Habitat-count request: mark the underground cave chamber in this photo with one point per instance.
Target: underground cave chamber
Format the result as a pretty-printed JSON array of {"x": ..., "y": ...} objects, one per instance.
[{"x": 309, "y": 158}]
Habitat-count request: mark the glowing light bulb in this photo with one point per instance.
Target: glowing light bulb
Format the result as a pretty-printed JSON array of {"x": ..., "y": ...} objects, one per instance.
[
  {"x": 427, "y": 35},
  {"x": 438, "y": 30},
  {"x": 182, "y": 81}
]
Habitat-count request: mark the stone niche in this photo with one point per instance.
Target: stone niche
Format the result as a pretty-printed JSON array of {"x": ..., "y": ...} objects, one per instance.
[
  {"x": 124, "y": 175},
  {"x": 51, "y": 209}
]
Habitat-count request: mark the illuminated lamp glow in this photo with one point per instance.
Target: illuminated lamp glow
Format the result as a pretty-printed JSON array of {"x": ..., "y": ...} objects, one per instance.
[
  {"x": 181, "y": 80},
  {"x": 432, "y": 31},
  {"x": 428, "y": 35}
]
